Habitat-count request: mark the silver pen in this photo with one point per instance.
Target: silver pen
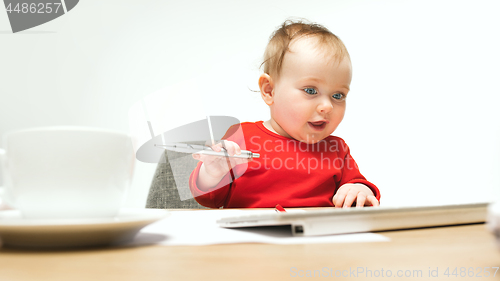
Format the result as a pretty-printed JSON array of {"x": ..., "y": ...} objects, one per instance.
[{"x": 200, "y": 149}]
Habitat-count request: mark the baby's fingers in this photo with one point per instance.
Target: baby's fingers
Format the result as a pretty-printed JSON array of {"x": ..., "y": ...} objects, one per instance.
[
  {"x": 338, "y": 199},
  {"x": 232, "y": 148},
  {"x": 360, "y": 201},
  {"x": 206, "y": 159},
  {"x": 373, "y": 200},
  {"x": 217, "y": 147},
  {"x": 349, "y": 199}
]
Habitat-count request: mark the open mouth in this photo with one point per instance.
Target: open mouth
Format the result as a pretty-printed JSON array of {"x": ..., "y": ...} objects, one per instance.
[{"x": 320, "y": 125}]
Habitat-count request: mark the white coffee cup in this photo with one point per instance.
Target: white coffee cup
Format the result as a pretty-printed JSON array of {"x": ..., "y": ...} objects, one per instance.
[{"x": 66, "y": 172}]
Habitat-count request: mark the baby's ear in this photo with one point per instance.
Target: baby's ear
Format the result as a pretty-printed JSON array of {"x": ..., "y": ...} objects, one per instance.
[{"x": 266, "y": 88}]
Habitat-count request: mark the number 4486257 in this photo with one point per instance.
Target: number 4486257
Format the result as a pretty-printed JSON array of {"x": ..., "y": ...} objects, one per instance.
[
  {"x": 471, "y": 272},
  {"x": 34, "y": 8}
]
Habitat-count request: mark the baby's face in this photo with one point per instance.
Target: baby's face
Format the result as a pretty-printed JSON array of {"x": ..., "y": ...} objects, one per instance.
[{"x": 309, "y": 96}]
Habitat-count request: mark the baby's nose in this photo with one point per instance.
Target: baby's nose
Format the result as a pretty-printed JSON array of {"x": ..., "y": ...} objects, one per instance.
[{"x": 325, "y": 106}]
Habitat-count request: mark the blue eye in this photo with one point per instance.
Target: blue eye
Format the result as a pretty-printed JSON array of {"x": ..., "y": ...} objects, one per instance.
[
  {"x": 310, "y": 91},
  {"x": 338, "y": 96}
]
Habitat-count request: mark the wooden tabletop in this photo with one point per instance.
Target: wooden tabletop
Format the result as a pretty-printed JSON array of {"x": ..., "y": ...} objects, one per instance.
[{"x": 463, "y": 250}]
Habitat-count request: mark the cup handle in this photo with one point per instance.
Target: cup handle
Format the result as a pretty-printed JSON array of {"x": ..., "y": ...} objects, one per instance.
[{"x": 3, "y": 205}]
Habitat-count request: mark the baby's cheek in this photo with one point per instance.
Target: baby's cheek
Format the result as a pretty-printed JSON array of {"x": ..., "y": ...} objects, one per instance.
[{"x": 289, "y": 117}]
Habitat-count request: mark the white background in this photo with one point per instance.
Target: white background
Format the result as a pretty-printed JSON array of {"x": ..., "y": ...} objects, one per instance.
[{"x": 422, "y": 119}]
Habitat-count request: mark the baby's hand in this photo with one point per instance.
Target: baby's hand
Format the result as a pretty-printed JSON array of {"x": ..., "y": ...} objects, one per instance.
[
  {"x": 214, "y": 168},
  {"x": 349, "y": 192}
]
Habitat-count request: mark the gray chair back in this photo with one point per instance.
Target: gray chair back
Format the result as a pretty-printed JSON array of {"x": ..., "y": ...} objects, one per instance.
[{"x": 164, "y": 193}]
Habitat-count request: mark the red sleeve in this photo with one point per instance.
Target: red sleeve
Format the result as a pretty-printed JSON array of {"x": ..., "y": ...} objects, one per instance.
[
  {"x": 351, "y": 174},
  {"x": 215, "y": 197}
]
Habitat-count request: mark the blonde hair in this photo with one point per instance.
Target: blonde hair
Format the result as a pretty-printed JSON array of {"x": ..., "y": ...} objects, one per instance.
[{"x": 290, "y": 30}]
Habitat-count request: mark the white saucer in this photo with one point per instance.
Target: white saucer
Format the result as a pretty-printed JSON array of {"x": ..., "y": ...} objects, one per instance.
[{"x": 16, "y": 231}]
